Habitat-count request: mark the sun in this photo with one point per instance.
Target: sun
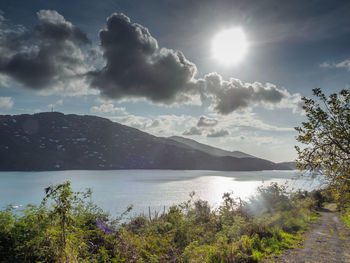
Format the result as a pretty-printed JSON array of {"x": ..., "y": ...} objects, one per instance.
[{"x": 229, "y": 46}]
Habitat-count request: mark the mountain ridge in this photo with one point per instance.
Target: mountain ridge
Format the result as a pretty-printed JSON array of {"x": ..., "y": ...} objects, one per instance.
[{"x": 55, "y": 141}]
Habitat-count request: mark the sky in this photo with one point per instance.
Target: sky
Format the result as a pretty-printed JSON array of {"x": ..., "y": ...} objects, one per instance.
[{"x": 153, "y": 65}]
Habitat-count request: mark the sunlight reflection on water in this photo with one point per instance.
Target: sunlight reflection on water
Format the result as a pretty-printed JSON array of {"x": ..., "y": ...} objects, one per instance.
[{"x": 115, "y": 190}]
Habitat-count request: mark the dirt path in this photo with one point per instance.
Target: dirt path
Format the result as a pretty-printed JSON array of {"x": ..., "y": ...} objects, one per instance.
[{"x": 328, "y": 241}]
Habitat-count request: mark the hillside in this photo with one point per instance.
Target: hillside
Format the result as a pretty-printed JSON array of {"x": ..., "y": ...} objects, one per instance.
[
  {"x": 54, "y": 141},
  {"x": 209, "y": 149},
  {"x": 289, "y": 165}
]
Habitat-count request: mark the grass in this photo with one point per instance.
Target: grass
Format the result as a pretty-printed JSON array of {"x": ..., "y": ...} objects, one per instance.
[{"x": 345, "y": 216}]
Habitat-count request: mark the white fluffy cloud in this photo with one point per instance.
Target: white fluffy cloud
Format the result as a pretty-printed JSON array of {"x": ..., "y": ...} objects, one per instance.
[
  {"x": 6, "y": 102},
  {"x": 247, "y": 119},
  {"x": 108, "y": 109},
  {"x": 218, "y": 125},
  {"x": 162, "y": 125},
  {"x": 193, "y": 131}
]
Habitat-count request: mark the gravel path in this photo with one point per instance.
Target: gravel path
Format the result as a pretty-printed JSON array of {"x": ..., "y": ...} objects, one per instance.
[{"x": 328, "y": 241}]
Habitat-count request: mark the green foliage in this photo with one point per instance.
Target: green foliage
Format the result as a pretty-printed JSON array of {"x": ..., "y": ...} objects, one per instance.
[
  {"x": 326, "y": 136},
  {"x": 54, "y": 232},
  {"x": 64, "y": 228},
  {"x": 346, "y": 217}
]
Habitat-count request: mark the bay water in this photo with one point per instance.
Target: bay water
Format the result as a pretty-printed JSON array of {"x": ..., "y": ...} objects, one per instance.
[{"x": 154, "y": 190}]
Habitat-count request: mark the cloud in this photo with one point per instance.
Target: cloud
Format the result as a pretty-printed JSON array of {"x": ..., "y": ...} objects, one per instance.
[
  {"x": 6, "y": 102},
  {"x": 248, "y": 119},
  {"x": 206, "y": 122},
  {"x": 343, "y": 64},
  {"x": 232, "y": 95},
  {"x": 146, "y": 125},
  {"x": 47, "y": 58},
  {"x": 54, "y": 26},
  {"x": 162, "y": 125},
  {"x": 108, "y": 109},
  {"x": 138, "y": 122},
  {"x": 2, "y": 18},
  {"x": 5, "y": 81},
  {"x": 193, "y": 131},
  {"x": 128, "y": 65},
  {"x": 137, "y": 67},
  {"x": 238, "y": 122},
  {"x": 53, "y": 105},
  {"x": 218, "y": 133},
  {"x": 326, "y": 65},
  {"x": 202, "y": 124}
]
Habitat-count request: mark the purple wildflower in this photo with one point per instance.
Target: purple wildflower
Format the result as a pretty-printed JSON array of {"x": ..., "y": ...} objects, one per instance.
[{"x": 100, "y": 223}]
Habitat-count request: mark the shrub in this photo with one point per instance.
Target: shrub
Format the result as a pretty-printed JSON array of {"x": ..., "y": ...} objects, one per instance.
[{"x": 67, "y": 228}]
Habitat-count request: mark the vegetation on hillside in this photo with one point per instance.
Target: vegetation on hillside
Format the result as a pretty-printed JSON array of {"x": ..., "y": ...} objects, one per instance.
[{"x": 66, "y": 227}]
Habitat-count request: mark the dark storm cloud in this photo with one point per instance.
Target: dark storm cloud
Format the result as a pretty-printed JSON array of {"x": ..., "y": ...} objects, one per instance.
[
  {"x": 50, "y": 56},
  {"x": 219, "y": 133},
  {"x": 232, "y": 95},
  {"x": 136, "y": 67},
  {"x": 54, "y": 27},
  {"x": 193, "y": 131},
  {"x": 206, "y": 122},
  {"x": 46, "y": 57}
]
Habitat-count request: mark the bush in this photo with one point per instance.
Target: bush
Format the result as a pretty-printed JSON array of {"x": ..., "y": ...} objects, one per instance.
[{"x": 67, "y": 228}]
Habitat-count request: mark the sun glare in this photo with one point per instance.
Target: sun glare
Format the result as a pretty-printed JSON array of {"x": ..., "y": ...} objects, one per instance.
[{"x": 229, "y": 46}]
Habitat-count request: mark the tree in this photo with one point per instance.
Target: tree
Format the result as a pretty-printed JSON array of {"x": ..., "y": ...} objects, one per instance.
[
  {"x": 326, "y": 134},
  {"x": 66, "y": 206}
]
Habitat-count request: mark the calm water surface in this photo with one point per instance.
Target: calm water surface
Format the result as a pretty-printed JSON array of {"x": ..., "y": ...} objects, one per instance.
[{"x": 115, "y": 190}]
